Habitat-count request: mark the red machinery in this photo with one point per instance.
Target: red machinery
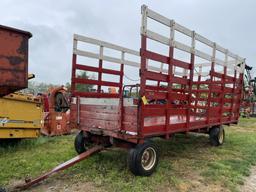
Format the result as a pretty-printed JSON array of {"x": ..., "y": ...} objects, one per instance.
[
  {"x": 174, "y": 95},
  {"x": 56, "y": 112}
]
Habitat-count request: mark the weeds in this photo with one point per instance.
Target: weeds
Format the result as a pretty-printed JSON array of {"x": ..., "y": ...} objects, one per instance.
[{"x": 187, "y": 163}]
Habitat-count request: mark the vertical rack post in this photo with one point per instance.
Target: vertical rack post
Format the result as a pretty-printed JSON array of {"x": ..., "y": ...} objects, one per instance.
[
  {"x": 73, "y": 73},
  {"x": 191, "y": 76},
  {"x": 223, "y": 85},
  {"x": 170, "y": 74},
  {"x": 100, "y": 69},
  {"x": 198, "y": 87},
  {"x": 210, "y": 83},
  {"x": 121, "y": 97},
  {"x": 143, "y": 69},
  {"x": 121, "y": 75},
  {"x": 233, "y": 95}
]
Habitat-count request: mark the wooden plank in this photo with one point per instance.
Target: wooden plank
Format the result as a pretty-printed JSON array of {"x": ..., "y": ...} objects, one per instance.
[
  {"x": 200, "y": 90},
  {"x": 177, "y": 111},
  {"x": 128, "y": 126},
  {"x": 178, "y": 96},
  {"x": 95, "y": 94},
  {"x": 220, "y": 75},
  {"x": 104, "y": 44},
  {"x": 157, "y": 37},
  {"x": 130, "y": 118},
  {"x": 96, "y": 69},
  {"x": 153, "y": 129},
  {"x": 155, "y": 88},
  {"x": 101, "y": 124},
  {"x": 199, "y": 124},
  {"x": 179, "y": 80},
  {"x": 95, "y": 82},
  {"x": 155, "y": 76},
  {"x": 203, "y": 40},
  {"x": 181, "y": 46},
  {"x": 99, "y": 116},
  {"x": 214, "y": 111},
  {"x": 155, "y": 56},
  {"x": 181, "y": 64},
  {"x": 177, "y": 126},
  {"x": 100, "y": 109},
  {"x": 151, "y": 112},
  {"x": 183, "y": 29},
  {"x": 156, "y": 16},
  {"x": 201, "y": 99},
  {"x": 106, "y": 58},
  {"x": 155, "y": 95},
  {"x": 130, "y": 111}
]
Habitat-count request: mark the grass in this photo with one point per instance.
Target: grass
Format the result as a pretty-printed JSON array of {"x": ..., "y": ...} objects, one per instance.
[{"x": 187, "y": 163}]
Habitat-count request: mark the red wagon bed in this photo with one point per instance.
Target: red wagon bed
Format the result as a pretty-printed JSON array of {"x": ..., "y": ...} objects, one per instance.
[
  {"x": 198, "y": 89},
  {"x": 185, "y": 83}
]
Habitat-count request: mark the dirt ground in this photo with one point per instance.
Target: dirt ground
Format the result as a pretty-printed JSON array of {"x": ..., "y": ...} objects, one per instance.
[
  {"x": 196, "y": 185},
  {"x": 59, "y": 185},
  {"x": 56, "y": 184},
  {"x": 250, "y": 182}
]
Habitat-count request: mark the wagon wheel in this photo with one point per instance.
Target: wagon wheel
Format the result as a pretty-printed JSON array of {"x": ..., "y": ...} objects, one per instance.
[
  {"x": 217, "y": 135},
  {"x": 82, "y": 142},
  {"x": 143, "y": 159}
]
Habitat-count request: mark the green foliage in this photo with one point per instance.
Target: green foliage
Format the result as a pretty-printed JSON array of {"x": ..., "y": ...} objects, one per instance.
[
  {"x": 37, "y": 87},
  {"x": 84, "y": 87},
  {"x": 32, "y": 157},
  {"x": 186, "y": 162},
  {"x": 68, "y": 86}
]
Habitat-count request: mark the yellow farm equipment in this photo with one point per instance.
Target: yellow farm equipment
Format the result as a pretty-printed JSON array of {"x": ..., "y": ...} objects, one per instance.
[{"x": 20, "y": 116}]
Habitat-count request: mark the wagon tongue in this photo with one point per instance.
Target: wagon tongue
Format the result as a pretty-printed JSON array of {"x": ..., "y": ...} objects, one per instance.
[{"x": 30, "y": 182}]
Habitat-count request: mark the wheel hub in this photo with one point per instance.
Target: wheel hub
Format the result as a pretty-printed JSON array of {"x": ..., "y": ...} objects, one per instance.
[
  {"x": 148, "y": 158},
  {"x": 221, "y": 137}
]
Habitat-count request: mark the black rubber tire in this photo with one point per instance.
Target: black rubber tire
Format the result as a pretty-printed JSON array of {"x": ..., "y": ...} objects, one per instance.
[
  {"x": 10, "y": 142},
  {"x": 135, "y": 159},
  {"x": 82, "y": 141},
  {"x": 2, "y": 190},
  {"x": 217, "y": 135}
]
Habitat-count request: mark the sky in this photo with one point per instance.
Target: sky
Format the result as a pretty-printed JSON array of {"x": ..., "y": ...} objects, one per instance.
[{"x": 230, "y": 23}]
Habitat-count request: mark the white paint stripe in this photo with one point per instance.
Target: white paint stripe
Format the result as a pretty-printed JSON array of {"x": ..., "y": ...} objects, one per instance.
[{"x": 106, "y": 101}]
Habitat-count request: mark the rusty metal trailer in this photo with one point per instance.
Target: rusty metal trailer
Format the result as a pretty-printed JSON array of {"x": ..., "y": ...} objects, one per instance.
[
  {"x": 13, "y": 59},
  {"x": 186, "y": 83}
]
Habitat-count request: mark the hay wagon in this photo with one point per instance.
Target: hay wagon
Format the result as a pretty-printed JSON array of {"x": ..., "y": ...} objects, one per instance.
[
  {"x": 184, "y": 83},
  {"x": 187, "y": 83}
]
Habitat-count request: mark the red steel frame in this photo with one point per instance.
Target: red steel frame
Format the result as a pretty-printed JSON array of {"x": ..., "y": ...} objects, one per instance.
[
  {"x": 111, "y": 115},
  {"x": 221, "y": 102},
  {"x": 98, "y": 82},
  {"x": 212, "y": 118}
]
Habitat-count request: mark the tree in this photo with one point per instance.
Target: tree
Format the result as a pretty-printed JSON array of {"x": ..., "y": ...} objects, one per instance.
[
  {"x": 68, "y": 86},
  {"x": 84, "y": 87},
  {"x": 36, "y": 87}
]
